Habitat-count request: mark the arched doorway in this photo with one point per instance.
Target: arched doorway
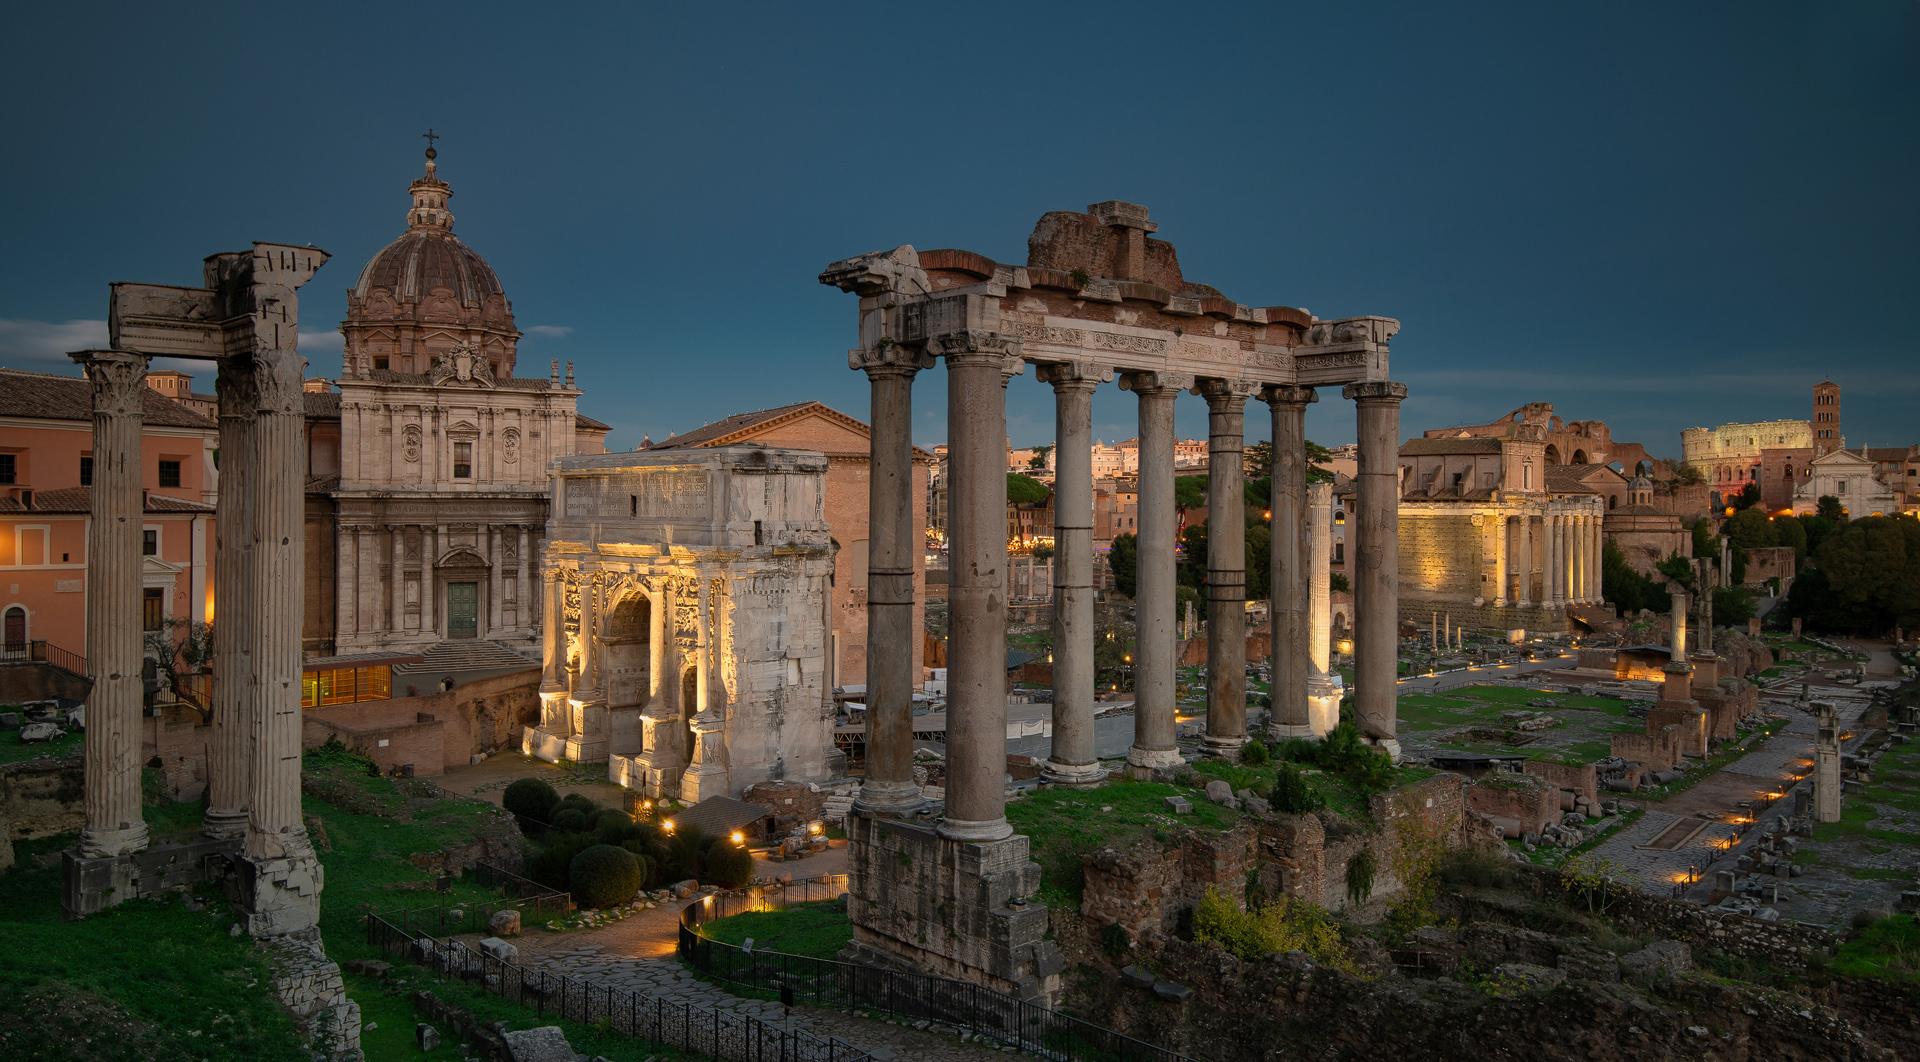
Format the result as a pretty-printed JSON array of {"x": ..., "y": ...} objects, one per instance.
[
  {"x": 629, "y": 648},
  {"x": 461, "y": 580},
  {"x": 16, "y": 621}
]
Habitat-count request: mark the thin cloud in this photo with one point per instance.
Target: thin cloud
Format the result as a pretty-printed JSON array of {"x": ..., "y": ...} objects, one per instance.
[
  {"x": 556, "y": 331},
  {"x": 44, "y": 344}
]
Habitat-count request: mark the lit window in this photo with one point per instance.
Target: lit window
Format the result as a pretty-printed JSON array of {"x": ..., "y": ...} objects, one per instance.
[{"x": 463, "y": 460}]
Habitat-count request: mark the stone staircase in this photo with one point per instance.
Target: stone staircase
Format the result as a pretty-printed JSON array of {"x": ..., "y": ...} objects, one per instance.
[{"x": 467, "y": 654}]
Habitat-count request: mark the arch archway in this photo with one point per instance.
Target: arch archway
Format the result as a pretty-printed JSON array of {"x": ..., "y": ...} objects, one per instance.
[
  {"x": 16, "y": 629},
  {"x": 629, "y": 647},
  {"x": 1553, "y": 454},
  {"x": 460, "y": 583},
  {"x": 1579, "y": 457}
]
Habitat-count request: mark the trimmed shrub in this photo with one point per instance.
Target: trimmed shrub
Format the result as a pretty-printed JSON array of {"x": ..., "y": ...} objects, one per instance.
[
  {"x": 1292, "y": 793},
  {"x": 570, "y": 820},
  {"x": 531, "y": 799},
  {"x": 602, "y": 875},
  {"x": 552, "y": 865},
  {"x": 579, "y": 802},
  {"x": 729, "y": 866},
  {"x": 1254, "y": 753}
]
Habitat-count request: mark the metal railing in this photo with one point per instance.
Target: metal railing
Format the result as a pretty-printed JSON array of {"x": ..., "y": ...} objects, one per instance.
[
  {"x": 42, "y": 652},
  {"x": 526, "y": 890},
  {"x": 720, "y": 1034},
  {"x": 916, "y": 996}
]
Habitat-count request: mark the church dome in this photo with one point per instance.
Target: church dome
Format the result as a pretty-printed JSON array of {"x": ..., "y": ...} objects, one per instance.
[
  {"x": 426, "y": 293},
  {"x": 1640, "y": 483}
]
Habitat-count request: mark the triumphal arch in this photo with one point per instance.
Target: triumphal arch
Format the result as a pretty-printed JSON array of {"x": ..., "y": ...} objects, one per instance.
[
  {"x": 687, "y": 605},
  {"x": 1097, "y": 299}
]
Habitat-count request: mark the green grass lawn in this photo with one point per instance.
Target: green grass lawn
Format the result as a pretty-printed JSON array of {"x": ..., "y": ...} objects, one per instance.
[
  {"x": 146, "y": 979},
  {"x": 13, "y": 750},
  {"x": 1887, "y": 949},
  {"x": 819, "y": 929},
  {"x": 1066, "y": 823}
]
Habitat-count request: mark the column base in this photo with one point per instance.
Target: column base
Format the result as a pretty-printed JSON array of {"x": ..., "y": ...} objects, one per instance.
[
  {"x": 1323, "y": 711},
  {"x": 1391, "y": 746},
  {"x": 1153, "y": 764},
  {"x": 897, "y": 799},
  {"x": 89, "y": 885},
  {"x": 542, "y": 745},
  {"x": 706, "y": 780},
  {"x": 278, "y": 895},
  {"x": 1283, "y": 731},
  {"x": 224, "y": 825},
  {"x": 1059, "y": 773},
  {"x": 974, "y": 830},
  {"x": 1226, "y": 747},
  {"x": 105, "y": 844}
]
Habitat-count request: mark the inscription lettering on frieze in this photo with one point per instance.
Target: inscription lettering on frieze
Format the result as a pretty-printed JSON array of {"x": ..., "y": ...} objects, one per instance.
[
  {"x": 1343, "y": 360},
  {"x": 661, "y": 494}
]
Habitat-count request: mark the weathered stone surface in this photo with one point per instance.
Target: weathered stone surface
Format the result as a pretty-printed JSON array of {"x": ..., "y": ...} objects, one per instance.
[
  {"x": 545, "y": 1044},
  {"x": 1171, "y": 992},
  {"x": 504, "y": 923},
  {"x": 1658, "y": 961},
  {"x": 1529, "y": 975},
  {"x": 499, "y": 949},
  {"x": 1178, "y": 805},
  {"x": 426, "y": 1036},
  {"x": 1219, "y": 792},
  {"x": 1137, "y": 977},
  {"x": 34, "y": 733}
]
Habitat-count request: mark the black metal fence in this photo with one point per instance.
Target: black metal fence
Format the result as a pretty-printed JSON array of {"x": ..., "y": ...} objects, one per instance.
[
  {"x": 849, "y": 986},
  {"x": 41, "y": 652},
  {"x": 723, "y": 1035}
]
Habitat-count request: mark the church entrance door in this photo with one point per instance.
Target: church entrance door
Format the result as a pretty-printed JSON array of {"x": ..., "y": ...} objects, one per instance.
[{"x": 463, "y": 610}]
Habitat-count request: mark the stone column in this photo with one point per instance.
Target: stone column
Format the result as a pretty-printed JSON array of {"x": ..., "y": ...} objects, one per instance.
[
  {"x": 1288, "y": 567},
  {"x": 114, "y": 825},
  {"x": 1154, "y": 742},
  {"x": 1677, "y": 650},
  {"x": 1598, "y": 591},
  {"x": 553, "y": 655},
  {"x": 976, "y": 671},
  {"x": 496, "y": 585},
  {"x": 230, "y": 766},
  {"x": 346, "y": 583},
  {"x": 285, "y": 878},
  {"x": 1523, "y": 585},
  {"x": 891, "y": 548},
  {"x": 522, "y": 605},
  {"x": 1227, "y": 563},
  {"x": 1500, "y": 531},
  {"x": 588, "y": 685},
  {"x": 706, "y": 775},
  {"x": 1323, "y": 696},
  {"x": 1376, "y": 571},
  {"x": 1075, "y": 759},
  {"x": 1826, "y": 762},
  {"x": 1549, "y": 555},
  {"x": 397, "y": 579}
]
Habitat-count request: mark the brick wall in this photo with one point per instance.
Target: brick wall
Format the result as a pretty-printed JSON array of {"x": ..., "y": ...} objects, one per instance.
[
  {"x": 1656, "y": 752},
  {"x": 480, "y": 716},
  {"x": 1529, "y": 800},
  {"x": 1583, "y": 779},
  {"x": 1689, "y": 725}
]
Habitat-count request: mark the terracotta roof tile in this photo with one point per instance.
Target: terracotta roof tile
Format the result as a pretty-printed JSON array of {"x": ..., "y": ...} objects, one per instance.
[
  {"x": 1429, "y": 447},
  {"x": 46, "y": 396},
  {"x": 80, "y": 500}
]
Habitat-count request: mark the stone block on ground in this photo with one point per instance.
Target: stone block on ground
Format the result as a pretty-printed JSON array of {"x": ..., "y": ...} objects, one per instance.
[
  {"x": 504, "y": 923},
  {"x": 545, "y": 1044},
  {"x": 1219, "y": 792},
  {"x": 1171, "y": 992},
  {"x": 1178, "y": 805},
  {"x": 37, "y": 732},
  {"x": 1137, "y": 977},
  {"x": 499, "y": 949},
  {"x": 426, "y": 1036},
  {"x": 9, "y": 720}
]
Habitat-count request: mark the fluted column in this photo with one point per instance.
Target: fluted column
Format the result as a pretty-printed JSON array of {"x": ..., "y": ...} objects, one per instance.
[
  {"x": 1550, "y": 593},
  {"x": 522, "y": 604},
  {"x": 1155, "y": 747},
  {"x": 346, "y": 583},
  {"x": 230, "y": 767},
  {"x": 114, "y": 825},
  {"x": 587, "y": 686},
  {"x": 496, "y": 584},
  {"x": 1288, "y": 567},
  {"x": 1523, "y": 546},
  {"x": 1583, "y": 550},
  {"x": 1323, "y": 697},
  {"x": 1376, "y": 571},
  {"x": 1501, "y": 528},
  {"x": 976, "y": 670},
  {"x": 1075, "y": 758},
  {"x": 891, "y": 549},
  {"x": 275, "y": 828},
  {"x": 1227, "y": 563}
]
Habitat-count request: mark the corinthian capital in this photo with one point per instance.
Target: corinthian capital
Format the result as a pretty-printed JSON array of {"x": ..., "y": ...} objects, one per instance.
[
  {"x": 279, "y": 376},
  {"x": 973, "y": 342},
  {"x": 1289, "y": 395},
  {"x": 1375, "y": 391},
  {"x": 890, "y": 356},
  {"x": 1072, "y": 375},
  {"x": 1144, "y": 383},
  {"x": 1232, "y": 394},
  {"x": 237, "y": 388},
  {"x": 119, "y": 379}
]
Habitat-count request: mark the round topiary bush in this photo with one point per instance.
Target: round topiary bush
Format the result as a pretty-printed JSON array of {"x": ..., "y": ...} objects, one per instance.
[
  {"x": 570, "y": 820},
  {"x": 1254, "y": 753},
  {"x": 531, "y": 798},
  {"x": 579, "y": 803},
  {"x": 728, "y": 865},
  {"x": 603, "y": 875}
]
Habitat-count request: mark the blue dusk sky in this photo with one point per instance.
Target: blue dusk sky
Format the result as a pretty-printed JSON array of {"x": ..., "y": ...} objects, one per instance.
[{"x": 1659, "y": 215}]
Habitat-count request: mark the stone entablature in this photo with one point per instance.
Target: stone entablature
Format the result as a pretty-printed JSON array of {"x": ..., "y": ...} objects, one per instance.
[{"x": 686, "y": 605}]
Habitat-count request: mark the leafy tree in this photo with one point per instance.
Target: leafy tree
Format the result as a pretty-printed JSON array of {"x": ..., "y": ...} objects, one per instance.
[
  {"x": 1039, "y": 459},
  {"x": 1124, "y": 559},
  {"x": 1817, "y": 528},
  {"x": 1260, "y": 469},
  {"x": 1829, "y": 506},
  {"x": 1189, "y": 492},
  {"x": 1871, "y": 574},
  {"x": 1337, "y": 583},
  {"x": 1705, "y": 542},
  {"x": 1626, "y": 588},
  {"x": 1752, "y": 529},
  {"x": 1677, "y": 568},
  {"x": 1025, "y": 490},
  {"x": 1789, "y": 531},
  {"x": 1690, "y": 474},
  {"x": 1732, "y": 605},
  {"x": 1748, "y": 497}
]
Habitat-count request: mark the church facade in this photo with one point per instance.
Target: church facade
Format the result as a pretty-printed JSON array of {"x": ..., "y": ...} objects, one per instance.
[{"x": 428, "y": 459}]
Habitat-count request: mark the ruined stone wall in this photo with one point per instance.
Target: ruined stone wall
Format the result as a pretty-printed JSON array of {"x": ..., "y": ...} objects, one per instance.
[
  {"x": 1688, "y": 724},
  {"x": 1656, "y": 752},
  {"x": 1440, "y": 558},
  {"x": 1519, "y": 803},
  {"x": 21, "y": 683},
  {"x": 41, "y": 797},
  {"x": 475, "y": 717},
  {"x": 183, "y": 746},
  {"x": 1583, "y": 779},
  {"x": 419, "y": 744},
  {"x": 1486, "y": 617}
]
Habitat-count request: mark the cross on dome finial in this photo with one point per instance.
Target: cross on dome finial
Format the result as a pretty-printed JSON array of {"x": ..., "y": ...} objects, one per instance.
[
  {"x": 431, "y": 137},
  {"x": 430, "y": 195}
]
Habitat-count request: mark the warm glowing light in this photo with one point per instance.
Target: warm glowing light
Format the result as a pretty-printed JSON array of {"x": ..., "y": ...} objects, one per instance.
[
  {"x": 1128, "y": 658},
  {"x": 667, "y": 825},
  {"x": 813, "y": 827},
  {"x": 646, "y": 803},
  {"x": 739, "y": 838}
]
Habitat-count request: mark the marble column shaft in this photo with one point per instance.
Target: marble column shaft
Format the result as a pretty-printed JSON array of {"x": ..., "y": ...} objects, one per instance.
[
  {"x": 1074, "y": 759},
  {"x": 397, "y": 578},
  {"x": 1289, "y": 568},
  {"x": 891, "y": 548},
  {"x": 1226, "y": 563},
  {"x": 114, "y": 824},
  {"x": 976, "y": 665},
  {"x": 275, "y": 827},
  {"x": 1523, "y": 547},
  {"x": 1375, "y": 578},
  {"x": 230, "y": 770},
  {"x": 1500, "y": 531},
  {"x": 1323, "y": 698},
  {"x": 1154, "y": 740}
]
